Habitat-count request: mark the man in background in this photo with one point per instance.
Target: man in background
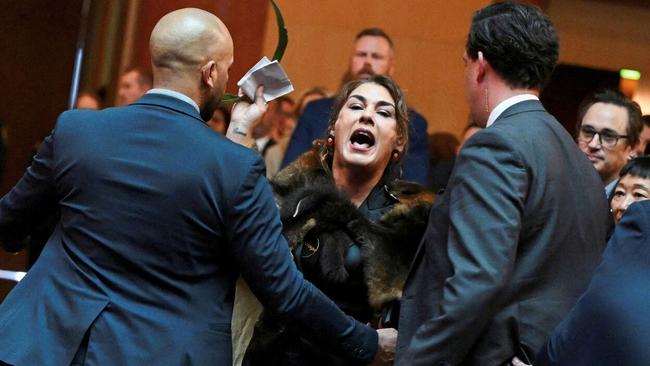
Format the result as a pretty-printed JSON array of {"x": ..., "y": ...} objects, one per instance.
[
  {"x": 644, "y": 137},
  {"x": 609, "y": 125},
  {"x": 133, "y": 84}
]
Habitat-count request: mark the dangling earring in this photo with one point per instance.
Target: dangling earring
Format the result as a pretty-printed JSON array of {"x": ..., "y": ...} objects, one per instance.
[
  {"x": 330, "y": 140},
  {"x": 487, "y": 105},
  {"x": 395, "y": 156}
]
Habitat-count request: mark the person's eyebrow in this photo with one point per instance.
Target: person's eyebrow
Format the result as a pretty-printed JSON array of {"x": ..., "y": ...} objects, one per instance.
[
  {"x": 608, "y": 130},
  {"x": 382, "y": 103}
]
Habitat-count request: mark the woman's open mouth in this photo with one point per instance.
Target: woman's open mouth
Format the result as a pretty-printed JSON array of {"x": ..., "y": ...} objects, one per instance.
[{"x": 362, "y": 139}]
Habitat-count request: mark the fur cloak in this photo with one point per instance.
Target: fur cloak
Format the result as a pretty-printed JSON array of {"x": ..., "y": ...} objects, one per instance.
[
  {"x": 310, "y": 202},
  {"x": 312, "y": 207}
]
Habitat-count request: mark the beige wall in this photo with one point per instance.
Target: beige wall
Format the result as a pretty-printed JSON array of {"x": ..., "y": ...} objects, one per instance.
[
  {"x": 429, "y": 36},
  {"x": 605, "y": 35}
]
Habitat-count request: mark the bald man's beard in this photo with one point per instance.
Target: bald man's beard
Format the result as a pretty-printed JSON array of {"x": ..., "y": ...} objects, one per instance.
[{"x": 208, "y": 108}]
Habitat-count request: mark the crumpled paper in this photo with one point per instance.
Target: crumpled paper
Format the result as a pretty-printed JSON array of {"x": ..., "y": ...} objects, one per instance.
[{"x": 271, "y": 75}]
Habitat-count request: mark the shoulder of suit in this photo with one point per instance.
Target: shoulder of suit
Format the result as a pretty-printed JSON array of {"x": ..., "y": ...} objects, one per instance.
[
  {"x": 319, "y": 105},
  {"x": 414, "y": 115},
  {"x": 77, "y": 116}
]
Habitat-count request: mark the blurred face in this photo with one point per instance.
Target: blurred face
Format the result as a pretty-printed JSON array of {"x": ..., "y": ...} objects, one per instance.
[
  {"x": 644, "y": 138},
  {"x": 129, "y": 89},
  {"x": 287, "y": 122},
  {"x": 87, "y": 102},
  {"x": 629, "y": 189},
  {"x": 366, "y": 130},
  {"x": 608, "y": 120},
  {"x": 372, "y": 56}
]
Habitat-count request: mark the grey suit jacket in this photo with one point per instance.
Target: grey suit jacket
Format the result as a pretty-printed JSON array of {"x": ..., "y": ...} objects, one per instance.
[{"x": 509, "y": 247}]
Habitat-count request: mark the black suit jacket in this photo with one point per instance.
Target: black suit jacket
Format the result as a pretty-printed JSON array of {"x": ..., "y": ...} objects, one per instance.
[
  {"x": 159, "y": 215},
  {"x": 509, "y": 247},
  {"x": 610, "y": 324}
]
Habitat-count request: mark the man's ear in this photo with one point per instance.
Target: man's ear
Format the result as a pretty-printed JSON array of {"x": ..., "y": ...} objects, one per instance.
[
  {"x": 482, "y": 67},
  {"x": 209, "y": 74}
]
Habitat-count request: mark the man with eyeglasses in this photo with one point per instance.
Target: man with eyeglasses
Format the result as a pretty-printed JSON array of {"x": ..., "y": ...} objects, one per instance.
[{"x": 609, "y": 124}]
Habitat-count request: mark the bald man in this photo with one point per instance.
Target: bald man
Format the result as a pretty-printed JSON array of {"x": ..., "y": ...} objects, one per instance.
[{"x": 159, "y": 215}]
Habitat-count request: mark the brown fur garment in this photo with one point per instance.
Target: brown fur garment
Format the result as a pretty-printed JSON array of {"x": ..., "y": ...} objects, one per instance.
[{"x": 311, "y": 204}]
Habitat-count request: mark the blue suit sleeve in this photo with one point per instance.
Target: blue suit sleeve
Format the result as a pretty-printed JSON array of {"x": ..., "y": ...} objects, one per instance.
[
  {"x": 30, "y": 200},
  {"x": 262, "y": 253},
  {"x": 416, "y": 161}
]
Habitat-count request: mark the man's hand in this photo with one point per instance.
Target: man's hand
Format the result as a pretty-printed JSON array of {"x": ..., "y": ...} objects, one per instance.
[
  {"x": 386, "y": 351},
  {"x": 244, "y": 115}
]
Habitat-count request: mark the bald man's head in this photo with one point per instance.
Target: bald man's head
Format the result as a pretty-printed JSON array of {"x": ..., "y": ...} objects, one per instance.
[{"x": 191, "y": 52}]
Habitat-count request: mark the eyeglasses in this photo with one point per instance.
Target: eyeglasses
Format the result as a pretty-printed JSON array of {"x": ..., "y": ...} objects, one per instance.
[{"x": 607, "y": 138}]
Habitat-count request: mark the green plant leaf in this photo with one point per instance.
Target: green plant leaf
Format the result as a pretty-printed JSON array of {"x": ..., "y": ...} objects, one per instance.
[
  {"x": 229, "y": 98},
  {"x": 283, "y": 38}
]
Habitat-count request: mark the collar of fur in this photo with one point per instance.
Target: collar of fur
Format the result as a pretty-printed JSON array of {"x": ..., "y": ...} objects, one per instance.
[{"x": 310, "y": 202}]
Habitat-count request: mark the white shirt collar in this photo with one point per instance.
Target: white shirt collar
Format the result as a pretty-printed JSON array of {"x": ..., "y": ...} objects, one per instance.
[
  {"x": 501, "y": 107},
  {"x": 177, "y": 95},
  {"x": 609, "y": 188}
]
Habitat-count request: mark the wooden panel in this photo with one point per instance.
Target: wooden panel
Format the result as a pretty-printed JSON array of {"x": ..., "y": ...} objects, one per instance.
[
  {"x": 605, "y": 35},
  {"x": 37, "y": 44},
  {"x": 245, "y": 20}
]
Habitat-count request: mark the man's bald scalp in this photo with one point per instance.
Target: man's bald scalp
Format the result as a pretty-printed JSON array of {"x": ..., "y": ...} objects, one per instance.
[{"x": 186, "y": 38}]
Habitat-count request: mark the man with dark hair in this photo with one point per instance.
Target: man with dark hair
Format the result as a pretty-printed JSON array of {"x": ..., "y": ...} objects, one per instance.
[
  {"x": 644, "y": 136},
  {"x": 513, "y": 241},
  {"x": 134, "y": 82},
  {"x": 617, "y": 121},
  {"x": 373, "y": 54}
]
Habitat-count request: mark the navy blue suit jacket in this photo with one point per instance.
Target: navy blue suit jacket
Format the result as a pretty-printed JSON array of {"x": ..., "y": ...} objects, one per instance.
[
  {"x": 509, "y": 247},
  {"x": 610, "y": 324},
  {"x": 313, "y": 124},
  {"x": 159, "y": 215}
]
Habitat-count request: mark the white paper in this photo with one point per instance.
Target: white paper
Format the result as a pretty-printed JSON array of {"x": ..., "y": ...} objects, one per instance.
[{"x": 271, "y": 75}]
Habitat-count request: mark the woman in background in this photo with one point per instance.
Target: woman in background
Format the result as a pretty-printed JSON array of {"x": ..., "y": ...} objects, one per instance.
[{"x": 633, "y": 186}]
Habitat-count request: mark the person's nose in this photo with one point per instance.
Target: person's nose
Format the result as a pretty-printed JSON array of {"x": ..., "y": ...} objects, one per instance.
[
  {"x": 595, "y": 142},
  {"x": 366, "y": 116},
  {"x": 627, "y": 202}
]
